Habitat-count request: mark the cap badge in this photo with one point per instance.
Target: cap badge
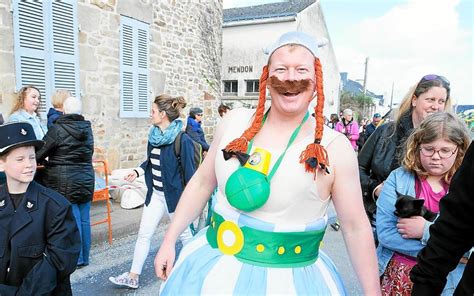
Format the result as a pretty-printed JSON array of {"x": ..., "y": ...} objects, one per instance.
[
  {"x": 23, "y": 132},
  {"x": 29, "y": 205}
]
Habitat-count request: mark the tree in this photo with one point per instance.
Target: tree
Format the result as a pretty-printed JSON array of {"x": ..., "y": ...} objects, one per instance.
[{"x": 361, "y": 104}]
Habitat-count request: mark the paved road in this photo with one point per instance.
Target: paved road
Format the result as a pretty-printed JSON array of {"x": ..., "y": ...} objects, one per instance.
[{"x": 110, "y": 261}]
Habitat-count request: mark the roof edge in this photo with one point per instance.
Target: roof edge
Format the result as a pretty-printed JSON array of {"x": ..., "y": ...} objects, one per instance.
[{"x": 260, "y": 21}]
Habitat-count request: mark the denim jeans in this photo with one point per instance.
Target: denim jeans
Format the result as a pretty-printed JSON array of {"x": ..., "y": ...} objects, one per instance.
[{"x": 81, "y": 212}]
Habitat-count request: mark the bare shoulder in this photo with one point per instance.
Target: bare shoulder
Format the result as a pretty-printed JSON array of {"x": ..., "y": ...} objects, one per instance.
[
  {"x": 340, "y": 152},
  {"x": 239, "y": 113},
  {"x": 233, "y": 118}
]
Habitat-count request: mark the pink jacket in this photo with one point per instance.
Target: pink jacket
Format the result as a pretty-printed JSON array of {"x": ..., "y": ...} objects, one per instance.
[{"x": 351, "y": 131}]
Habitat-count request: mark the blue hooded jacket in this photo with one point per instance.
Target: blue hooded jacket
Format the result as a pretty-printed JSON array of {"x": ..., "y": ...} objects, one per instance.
[{"x": 194, "y": 130}]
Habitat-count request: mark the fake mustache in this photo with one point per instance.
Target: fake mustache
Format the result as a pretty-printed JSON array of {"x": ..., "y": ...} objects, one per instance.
[{"x": 289, "y": 86}]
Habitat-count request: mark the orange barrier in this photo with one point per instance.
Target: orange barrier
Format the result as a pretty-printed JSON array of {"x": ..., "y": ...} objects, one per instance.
[{"x": 100, "y": 167}]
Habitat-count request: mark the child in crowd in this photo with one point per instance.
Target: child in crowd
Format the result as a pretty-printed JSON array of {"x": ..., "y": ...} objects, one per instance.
[
  {"x": 26, "y": 108},
  {"x": 57, "y": 100},
  {"x": 433, "y": 154},
  {"x": 39, "y": 239}
]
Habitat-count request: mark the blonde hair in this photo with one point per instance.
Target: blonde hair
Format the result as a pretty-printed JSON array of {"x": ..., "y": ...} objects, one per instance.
[
  {"x": 59, "y": 96},
  {"x": 436, "y": 126},
  {"x": 171, "y": 105},
  {"x": 21, "y": 95},
  {"x": 418, "y": 89}
]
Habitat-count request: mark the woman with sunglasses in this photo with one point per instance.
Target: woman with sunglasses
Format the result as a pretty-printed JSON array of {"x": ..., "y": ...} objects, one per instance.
[
  {"x": 194, "y": 129},
  {"x": 382, "y": 151},
  {"x": 433, "y": 153}
]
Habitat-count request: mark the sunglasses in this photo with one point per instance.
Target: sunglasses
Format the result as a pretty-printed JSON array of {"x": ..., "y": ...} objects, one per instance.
[
  {"x": 199, "y": 114},
  {"x": 431, "y": 77}
]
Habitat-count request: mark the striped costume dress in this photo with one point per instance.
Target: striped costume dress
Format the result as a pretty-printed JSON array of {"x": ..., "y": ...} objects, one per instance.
[{"x": 273, "y": 250}]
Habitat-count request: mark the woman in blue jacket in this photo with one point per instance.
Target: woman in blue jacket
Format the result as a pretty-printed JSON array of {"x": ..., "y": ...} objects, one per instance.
[
  {"x": 163, "y": 177},
  {"x": 194, "y": 129}
]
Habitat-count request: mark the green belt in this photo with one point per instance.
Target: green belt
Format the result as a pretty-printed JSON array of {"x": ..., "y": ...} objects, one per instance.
[{"x": 264, "y": 248}]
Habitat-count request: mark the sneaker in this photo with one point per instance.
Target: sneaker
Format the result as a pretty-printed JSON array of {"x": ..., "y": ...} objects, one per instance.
[{"x": 124, "y": 280}]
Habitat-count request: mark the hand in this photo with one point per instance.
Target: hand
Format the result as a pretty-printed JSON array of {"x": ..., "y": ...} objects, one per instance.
[
  {"x": 411, "y": 227},
  {"x": 204, "y": 153},
  {"x": 164, "y": 260},
  {"x": 131, "y": 176}
]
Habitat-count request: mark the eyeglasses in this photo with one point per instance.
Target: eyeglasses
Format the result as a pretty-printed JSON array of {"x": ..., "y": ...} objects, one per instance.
[
  {"x": 443, "y": 152},
  {"x": 431, "y": 77}
]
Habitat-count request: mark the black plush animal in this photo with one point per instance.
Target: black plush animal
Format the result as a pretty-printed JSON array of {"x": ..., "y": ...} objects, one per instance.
[{"x": 408, "y": 206}]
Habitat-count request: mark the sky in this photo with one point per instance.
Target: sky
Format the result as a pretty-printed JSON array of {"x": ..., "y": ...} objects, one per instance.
[{"x": 403, "y": 39}]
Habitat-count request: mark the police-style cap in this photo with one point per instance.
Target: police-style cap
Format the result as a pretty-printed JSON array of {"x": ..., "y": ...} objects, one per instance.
[
  {"x": 17, "y": 134},
  {"x": 298, "y": 38}
]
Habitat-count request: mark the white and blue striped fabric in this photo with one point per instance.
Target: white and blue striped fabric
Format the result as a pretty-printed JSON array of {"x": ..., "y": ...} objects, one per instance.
[
  {"x": 156, "y": 169},
  {"x": 202, "y": 270}
]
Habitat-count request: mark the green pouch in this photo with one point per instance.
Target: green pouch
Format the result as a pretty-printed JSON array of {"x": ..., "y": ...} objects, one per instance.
[{"x": 247, "y": 189}]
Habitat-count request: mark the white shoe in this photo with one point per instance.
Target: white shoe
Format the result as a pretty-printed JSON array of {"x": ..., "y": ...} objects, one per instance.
[{"x": 125, "y": 280}]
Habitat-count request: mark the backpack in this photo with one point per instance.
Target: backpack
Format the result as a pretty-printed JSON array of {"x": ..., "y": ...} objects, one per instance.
[
  {"x": 197, "y": 158},
  {"x": 202, "y": 221}
]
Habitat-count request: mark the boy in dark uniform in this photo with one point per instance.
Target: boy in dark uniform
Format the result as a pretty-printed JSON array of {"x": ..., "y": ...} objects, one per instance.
[{"x": 39, "y": 239}]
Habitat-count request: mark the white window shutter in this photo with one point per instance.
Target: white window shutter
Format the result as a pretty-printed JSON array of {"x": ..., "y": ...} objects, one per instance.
[
  {"x": 143, "y": 104},
  {"x": 64, "y": 41},
  {"x": 30, "y": 46},
  {"x": 46, "y": 47},
  {"x": 134, "y": 85}
]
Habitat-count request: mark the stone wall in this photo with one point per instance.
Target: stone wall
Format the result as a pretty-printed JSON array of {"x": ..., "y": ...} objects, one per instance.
[
  {"x": 7, "y": 59},
  {"x": 184, "y": 59},
  {"x": 180, "y": 64}
]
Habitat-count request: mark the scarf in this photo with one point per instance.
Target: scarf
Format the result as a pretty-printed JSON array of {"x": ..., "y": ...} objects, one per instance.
[{"x": 158, "y": 138}]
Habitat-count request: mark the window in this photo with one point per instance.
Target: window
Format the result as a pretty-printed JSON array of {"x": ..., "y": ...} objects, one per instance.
[
  {"x": 252, "y": 86},
  {"x": 134, "y": 85},
  {"x": 46, "y": 47},
  {"x": 230, "y": 87}
]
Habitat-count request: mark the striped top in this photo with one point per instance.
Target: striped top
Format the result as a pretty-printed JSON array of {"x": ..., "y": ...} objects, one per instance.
[{"x": 156, "y": 169}]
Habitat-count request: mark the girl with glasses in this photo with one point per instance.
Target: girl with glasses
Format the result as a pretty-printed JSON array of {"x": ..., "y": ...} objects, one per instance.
[
  {"x": 433, "y": 153},
  {"x": 382, "y": 151}
]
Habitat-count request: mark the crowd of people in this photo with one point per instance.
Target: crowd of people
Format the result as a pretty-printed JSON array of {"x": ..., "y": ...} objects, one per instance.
[{"x": 264, "y": 235}]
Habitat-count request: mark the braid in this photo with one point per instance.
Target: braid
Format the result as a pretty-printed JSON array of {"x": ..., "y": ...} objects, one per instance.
[
  {"x": 315, "y": 154},
  {"x": 241, "y": 144},
  {"x": 318, "y": 109}
]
